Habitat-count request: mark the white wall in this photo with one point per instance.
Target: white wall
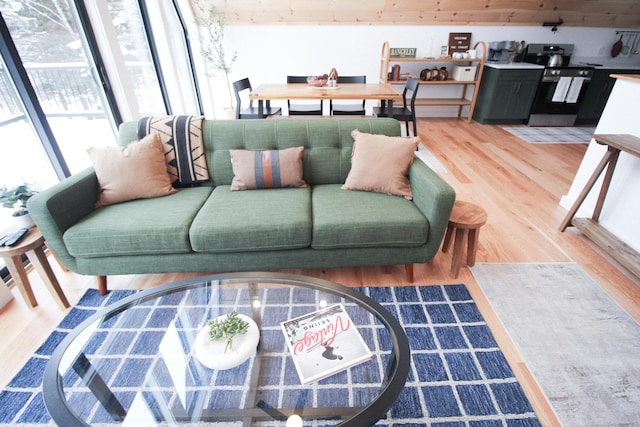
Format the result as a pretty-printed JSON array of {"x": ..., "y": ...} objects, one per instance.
[
  {"x": 621, "y": 209},
  {"x": 267, "y": 53}
]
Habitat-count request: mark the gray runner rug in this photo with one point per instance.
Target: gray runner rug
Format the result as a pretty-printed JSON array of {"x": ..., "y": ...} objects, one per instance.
[
  {"x": 552, "y": 135},
  {"x": 582, "y": 348}
]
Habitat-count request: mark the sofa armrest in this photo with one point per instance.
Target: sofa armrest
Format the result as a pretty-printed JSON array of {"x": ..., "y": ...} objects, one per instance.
[
  {"x": 59, "y": 207},
  {"x": 434, "y": 197}
]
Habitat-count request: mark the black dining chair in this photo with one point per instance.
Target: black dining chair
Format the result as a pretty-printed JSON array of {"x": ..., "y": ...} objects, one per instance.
[
  {"x": 407, "y": 112},
  {"x": 341, "y": 109},
  {"x": 251, "y": 112},
  {"x": 312, "y": 109}
]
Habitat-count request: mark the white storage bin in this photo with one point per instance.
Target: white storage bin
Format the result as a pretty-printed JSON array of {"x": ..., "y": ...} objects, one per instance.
[{"x": 464, "y": 73}]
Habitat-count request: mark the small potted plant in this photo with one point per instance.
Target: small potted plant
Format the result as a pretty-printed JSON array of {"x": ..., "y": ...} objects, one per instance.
[
  {"x": 227, "y": 341},
  {"x": 16, "y": 199}
]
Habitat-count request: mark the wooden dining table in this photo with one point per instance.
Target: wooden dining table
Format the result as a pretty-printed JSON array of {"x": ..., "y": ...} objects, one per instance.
[{"x": 383, "y": 92}]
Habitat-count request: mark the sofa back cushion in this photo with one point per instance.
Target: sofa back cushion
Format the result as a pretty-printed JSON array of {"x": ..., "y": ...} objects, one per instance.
[{"x": 327, "y": 143}]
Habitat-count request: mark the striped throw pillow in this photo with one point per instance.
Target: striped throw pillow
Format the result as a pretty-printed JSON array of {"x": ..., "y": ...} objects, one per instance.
[{"x": 261, "y": 169}]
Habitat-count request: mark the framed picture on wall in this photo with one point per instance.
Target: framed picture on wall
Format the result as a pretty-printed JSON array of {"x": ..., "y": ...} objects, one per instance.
[{"x": 459, "y": 42}]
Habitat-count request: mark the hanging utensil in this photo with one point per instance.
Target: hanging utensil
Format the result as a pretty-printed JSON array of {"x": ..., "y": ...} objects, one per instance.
[
  {"x": 626, "y": 47},
  {"x": 634, "y": 50},
  {"x": 616, "y": 48}
]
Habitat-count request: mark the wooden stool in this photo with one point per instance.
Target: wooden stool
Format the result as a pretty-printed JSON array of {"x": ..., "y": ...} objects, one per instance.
[
  {"x": 31, "y": 244},
  {"x": 466, "y": 219}
]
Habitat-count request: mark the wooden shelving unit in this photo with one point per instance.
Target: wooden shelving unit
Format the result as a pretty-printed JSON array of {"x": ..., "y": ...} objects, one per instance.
[{"x": 480, "y": 47}]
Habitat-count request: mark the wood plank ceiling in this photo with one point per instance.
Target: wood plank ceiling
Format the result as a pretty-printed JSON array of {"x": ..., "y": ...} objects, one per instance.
[{"x": 575, "y": 13}]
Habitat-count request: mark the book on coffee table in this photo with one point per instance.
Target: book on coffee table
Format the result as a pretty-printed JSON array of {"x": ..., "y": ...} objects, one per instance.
[{"x": 324, "y": 342}]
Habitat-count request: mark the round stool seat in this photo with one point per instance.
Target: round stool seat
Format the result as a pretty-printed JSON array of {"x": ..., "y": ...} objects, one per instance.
[
  {"x": 466, "y": 220},
  {"x": 467, "y": 215}
]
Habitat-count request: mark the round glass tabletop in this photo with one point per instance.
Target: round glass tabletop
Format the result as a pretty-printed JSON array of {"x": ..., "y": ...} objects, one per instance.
[{"x": 137, "y": 361}]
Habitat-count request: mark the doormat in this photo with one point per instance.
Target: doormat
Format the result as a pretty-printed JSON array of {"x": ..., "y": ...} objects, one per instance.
[
  {"x": 552, "y": 135},
  {"x": 458, "y": 374},
  {"x": 580, "y": 345}
]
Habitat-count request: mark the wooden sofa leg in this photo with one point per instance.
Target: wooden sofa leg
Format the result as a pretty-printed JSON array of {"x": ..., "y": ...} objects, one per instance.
[
  {"x": 408, "y": 268},
  {"x": 102, "y": 285}
]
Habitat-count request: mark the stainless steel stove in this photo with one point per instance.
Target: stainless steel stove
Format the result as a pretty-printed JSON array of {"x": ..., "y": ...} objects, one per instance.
[{"x": 562, "y": 87}]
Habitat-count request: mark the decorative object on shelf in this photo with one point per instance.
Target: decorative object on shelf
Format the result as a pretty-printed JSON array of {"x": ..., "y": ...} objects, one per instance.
[
  {"x": 402, "y": 52},
  {"x": 227, "y": 341},
  {"x": 395, "y": 72},
  {"x": 318, "y": 81},
  {"x": 434, "y": 73},
  {"x": 459, "y": 42},
  {"x": 16, "y": 199},
  {"x": 464, "y": 73}
]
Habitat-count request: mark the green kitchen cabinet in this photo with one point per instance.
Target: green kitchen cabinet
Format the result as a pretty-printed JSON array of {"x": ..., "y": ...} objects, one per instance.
[
  {"x": 597, "y": 94},
  {"x": 506, "y": 95}
]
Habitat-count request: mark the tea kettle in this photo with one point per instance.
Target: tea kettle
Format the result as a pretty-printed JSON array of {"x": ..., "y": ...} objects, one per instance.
[{"x": 555, "y": 60}]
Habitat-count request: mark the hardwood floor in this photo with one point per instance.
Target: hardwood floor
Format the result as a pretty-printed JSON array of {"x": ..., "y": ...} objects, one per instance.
[{"x": 518, "y": 184}]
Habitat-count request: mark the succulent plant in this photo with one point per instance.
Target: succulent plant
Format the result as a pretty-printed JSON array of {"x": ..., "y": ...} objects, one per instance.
[{"x": 231, "y": 326}]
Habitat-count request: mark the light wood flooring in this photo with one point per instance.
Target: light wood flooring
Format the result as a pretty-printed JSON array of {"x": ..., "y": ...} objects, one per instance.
[{"x": 519, "y": 185}]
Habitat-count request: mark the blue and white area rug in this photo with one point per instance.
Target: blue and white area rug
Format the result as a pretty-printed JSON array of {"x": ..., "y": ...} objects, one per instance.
[
  {"x": 552, "y": 135},
  {"x": 459, "y": 377}
]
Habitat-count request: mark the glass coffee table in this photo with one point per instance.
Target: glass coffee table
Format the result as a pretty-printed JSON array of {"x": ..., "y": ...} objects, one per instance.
[{"x": 134, "y": 362}]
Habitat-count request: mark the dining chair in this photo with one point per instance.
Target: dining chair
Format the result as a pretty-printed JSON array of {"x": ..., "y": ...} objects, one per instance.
[
  {"x": 341, "y": 109},
  {"x": 312, "y": 109},
  {"x": 251, "y": 112},
  {"x": 407, "y": 112}
]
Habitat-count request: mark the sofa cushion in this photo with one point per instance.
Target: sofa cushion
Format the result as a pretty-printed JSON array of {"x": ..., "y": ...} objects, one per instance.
[
  {"x": 380, "y": 163},
  {"x": 357, "y": 219},
  {"x": 137, "y": 171},
  {"x": 253, "y": 220},
  {"x": 183, "y": 145},
  {"x": 138, "y": 227},
  {"x": 260, "y": 169}
]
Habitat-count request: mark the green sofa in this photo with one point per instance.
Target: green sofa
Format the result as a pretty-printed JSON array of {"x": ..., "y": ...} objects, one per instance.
[{"x": 212, "y": 229}]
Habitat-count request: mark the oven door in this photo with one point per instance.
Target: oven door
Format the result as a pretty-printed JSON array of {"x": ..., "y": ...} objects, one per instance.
[{"x": 557, "y": 101}]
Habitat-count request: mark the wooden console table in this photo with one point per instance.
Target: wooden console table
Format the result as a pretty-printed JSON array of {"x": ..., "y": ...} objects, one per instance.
[{"x": 620, "y": 251}]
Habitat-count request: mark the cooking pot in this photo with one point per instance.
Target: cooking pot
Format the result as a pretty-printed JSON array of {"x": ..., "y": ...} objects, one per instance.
[{"x": 555, "y": 60}]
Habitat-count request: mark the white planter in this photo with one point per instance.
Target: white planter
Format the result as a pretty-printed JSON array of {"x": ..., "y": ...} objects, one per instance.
[
  {"x": 24, "y": 221},
  {"x": 211, "y": 353},
  {"x": 5, "y": 294}
]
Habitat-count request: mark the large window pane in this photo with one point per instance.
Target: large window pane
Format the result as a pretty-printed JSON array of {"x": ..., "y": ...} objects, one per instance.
[
  {"x": 52, "y": 49},
  {"x": 23, "y": 158},
  {"x": 134, "y": 47}
]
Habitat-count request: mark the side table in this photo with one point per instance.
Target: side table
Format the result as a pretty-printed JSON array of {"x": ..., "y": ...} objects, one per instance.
[
  {"x": 31, "y": 245},
  {"x": 466, "y": 220}
]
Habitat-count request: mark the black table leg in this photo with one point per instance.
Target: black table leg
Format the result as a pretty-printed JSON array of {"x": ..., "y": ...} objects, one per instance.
[{"x": 99, "y": 388}]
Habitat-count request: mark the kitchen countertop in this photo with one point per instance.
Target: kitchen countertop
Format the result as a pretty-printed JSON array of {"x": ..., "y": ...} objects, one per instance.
[
  {"x": 632, "y": 63},
  {"x": 602, "y": 63},
  {"x": 514, "y": 66}
]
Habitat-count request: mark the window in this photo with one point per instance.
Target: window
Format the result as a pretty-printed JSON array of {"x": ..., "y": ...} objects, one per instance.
[{"x": 55, "y": 55}]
